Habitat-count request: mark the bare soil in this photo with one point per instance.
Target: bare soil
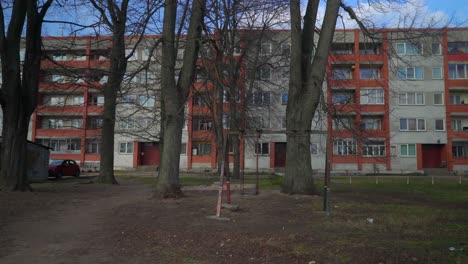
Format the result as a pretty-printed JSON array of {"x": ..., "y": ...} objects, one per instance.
[{"x": 74, "y": 222}]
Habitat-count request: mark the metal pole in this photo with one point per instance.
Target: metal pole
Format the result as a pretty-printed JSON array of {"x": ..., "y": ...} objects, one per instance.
[
  {"x": 256, "y": 169},
  {"x": 226, "y": 157}
]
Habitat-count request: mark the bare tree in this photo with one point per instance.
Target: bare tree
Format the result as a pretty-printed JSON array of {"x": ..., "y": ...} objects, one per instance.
[
  {"x": 174, "y": 95},
  {"x": 307, "y": 73},
  {"x": 116, "y": 18},
  {"x": 18, "y": 95}
]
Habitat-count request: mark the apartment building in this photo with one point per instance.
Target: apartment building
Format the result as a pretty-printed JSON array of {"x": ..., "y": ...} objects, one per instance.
[{"x": 393, "y": 102}]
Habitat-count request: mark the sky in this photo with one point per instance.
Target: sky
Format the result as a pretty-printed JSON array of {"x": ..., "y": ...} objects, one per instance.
[{"x": 450, "y": 7}]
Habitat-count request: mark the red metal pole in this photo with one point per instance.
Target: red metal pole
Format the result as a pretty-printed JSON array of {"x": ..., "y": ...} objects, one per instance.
[
  {"x": 256, "y": 170},
  {"x": 226, "y": 163}
]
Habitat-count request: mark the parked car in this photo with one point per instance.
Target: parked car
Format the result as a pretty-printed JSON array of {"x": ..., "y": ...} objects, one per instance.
[{"x": 59, "y": 168}]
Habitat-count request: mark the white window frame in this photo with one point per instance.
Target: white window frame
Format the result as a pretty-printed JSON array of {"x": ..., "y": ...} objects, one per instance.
[
  {"x": 441, "y": 97},
  {"x": 372, "y": 96},
  {"x": 439, "y": 48},
  {"x": 417, "y": 122},
  {"x": 260, "y": 147},
  {"x": 441, "y": 73},
  {"x": 314, "y": 149},
  {"x": 376, "y": 147},
  {"x": 376, "y": 122},
  {"x": 415, "y": 96},
  {"x": 407, "y": 150},
  {"x": 265, "y": 48},
  {"x": 404, "y": 70},
  {"x": 344, "y": 147},
  {"x": 406, "y": 48},
  {"x": 443, "y": 124},
  {"x": 456, "y": 125},
  {"x": 128, "y": 147}
]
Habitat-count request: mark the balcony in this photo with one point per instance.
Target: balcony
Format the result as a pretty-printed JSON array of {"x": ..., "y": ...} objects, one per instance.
[
  {"x": 371, "y": 52},
  {"x": 59, "y": 110},
  {"x": 47, "y": 132}
]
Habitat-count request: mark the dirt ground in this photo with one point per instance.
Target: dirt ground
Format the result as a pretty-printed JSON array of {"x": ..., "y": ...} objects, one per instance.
[{"x": 75, "y": 221}]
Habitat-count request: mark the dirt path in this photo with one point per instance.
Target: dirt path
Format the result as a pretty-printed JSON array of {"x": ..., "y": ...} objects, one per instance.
[{"x": 66, "y": 229}]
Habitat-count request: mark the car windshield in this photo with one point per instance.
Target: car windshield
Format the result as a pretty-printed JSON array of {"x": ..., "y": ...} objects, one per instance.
[{"x": 55, "y": 162}]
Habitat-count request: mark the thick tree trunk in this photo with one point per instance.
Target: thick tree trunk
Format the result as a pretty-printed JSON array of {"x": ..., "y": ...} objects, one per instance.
[
  {"x": 168, "y": 186},
  {"x": 219, "y": 127},
  {"x": 14, "y": 155},
  {"x": 305, "y": 84},
  {"x": 106, "y": 171}
]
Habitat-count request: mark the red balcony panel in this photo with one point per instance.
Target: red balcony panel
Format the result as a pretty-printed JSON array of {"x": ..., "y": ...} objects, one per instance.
[
  {"x": 372, "y": 82},
  {"x": 344, "y": 108},
  {"x": 60, "y": 110},
  {"x": 42, "y": 132},
  {"x": 374, "y": 133},
  {"x": 95, "y": 109},
  {"x": 457, "y": 108},
  {"x": 374, "y": 160},
  {"x": 93, "y": 132},
  {"x": 335, "y": 58},
  {"x": 457, "y": 57},
  {"x": 458, "y": 83},
  {"x": 343, "y": 133},
  {"x": 208, "y": 134},
  {"x": 200, "y": 110},
  {"x": 373, "y": 108},
  {"x": 201, "y": 159},
  {"x": 92, "y": 157},
  {"x": 99, "y": 63},
  {"x": 64, "y": 64},
  {"x": 460, "y": 161},
  {"x": 344, "y": 159},
  {"x": 460, "y": 134},
  {"x": 342, "y": 83},
  {"x": 372, "y": 57},
  {"x": 62, "y": 87}
]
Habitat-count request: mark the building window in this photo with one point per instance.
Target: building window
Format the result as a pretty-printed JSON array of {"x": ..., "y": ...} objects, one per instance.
[
  {"x": 412, "y": 124},
  {"x": 368, "y": 123},
  {"x": 126, "y": 148},
  {"x": 439, "y": 125},
  {"x": 344, "y": 147},
  {"x": 411, "y": 98},
  {"x": 342, "y": 48},
  {"x": 457, "y": 71},
  {"x": 264, "y": 73},
  {"x": 127, "y": 124},
  {"x": 460, "y": 149},
  {"x": 342, "y": 74},
  {"x": 94, "y": 122},
  {"x": 262, "y": 149},
  {"x": 372, "y": 96},
  {"x": 265, "y": 48},
  {"x": 342, "y": 97},
  {"x": 314, "y": 149},
  {"x": 258, "y": 98},
  {"x": 369, "y": 73},
  {"x": 201, "y": 149},
  {"x": 96, "y": 99},
  {"x": 147, "y": 101},
  {"x": 436, "y": 48},
  {"x": 373, "y": 149},
  {"x": 227, "y": 95},
  {"x": 408, "y": 150},
  {"x": 284, "y": 98},
  {"x": 343, "y": 123},
  {"x": 437, "y": 73},
  {"x": 62, "y": 146},
  {"x": 411, "y": 73},
  {"x": 183, "y": 149},
  {"x": 456, "y": 99},
  {"x": 456, "y": 125},
  {"x": 55, "y": 123},
  {"x": 438, "y": 99},
  {"x": 285, "y": 49},
  {"x": 457, "y": 47},
  {"x": 200, "y": 123},
  {"x": 283, "y": 122},
  {"x": 93, "y": 146},
  {"x": 128, "y": 99},
  {"x": 131, "y": 54},
  {"x": 409, "y": 48}
]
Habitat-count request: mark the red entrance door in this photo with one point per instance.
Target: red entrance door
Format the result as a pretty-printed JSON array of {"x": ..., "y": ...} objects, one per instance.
[
  {"x": 280, "y": 155},
  {"x": 431, "y": 155},
  {"x": 149, "y": 154}
]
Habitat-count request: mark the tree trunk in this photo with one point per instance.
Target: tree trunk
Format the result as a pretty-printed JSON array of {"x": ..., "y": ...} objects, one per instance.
[
  {"x": 219, "y": 126},
  {"x": 14, "y": 154},
  {"x": 305, "y": 84},
  {"x": 174, "y": 96},
  {"x": 106, "y": 170}
]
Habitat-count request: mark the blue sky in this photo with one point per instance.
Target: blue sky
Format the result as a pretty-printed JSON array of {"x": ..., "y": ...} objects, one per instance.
[{"x": 457, "y": 7}]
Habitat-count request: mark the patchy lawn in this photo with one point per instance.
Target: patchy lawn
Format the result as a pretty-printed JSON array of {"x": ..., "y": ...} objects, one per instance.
[{"x": 390, "y": 222}]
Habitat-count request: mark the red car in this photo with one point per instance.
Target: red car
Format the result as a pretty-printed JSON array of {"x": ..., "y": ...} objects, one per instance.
[{"x": 59, "y": 168}]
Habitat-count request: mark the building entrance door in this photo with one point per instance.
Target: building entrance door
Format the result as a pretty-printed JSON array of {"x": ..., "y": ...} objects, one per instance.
[
  {"x": 432, "y": 155},
  {"x": 149, "y": 154},
  {"x": 280, "y": 154}
]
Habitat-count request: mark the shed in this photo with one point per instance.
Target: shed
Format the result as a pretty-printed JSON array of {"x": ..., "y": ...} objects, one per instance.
[{"x": 37, "y": 162}]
